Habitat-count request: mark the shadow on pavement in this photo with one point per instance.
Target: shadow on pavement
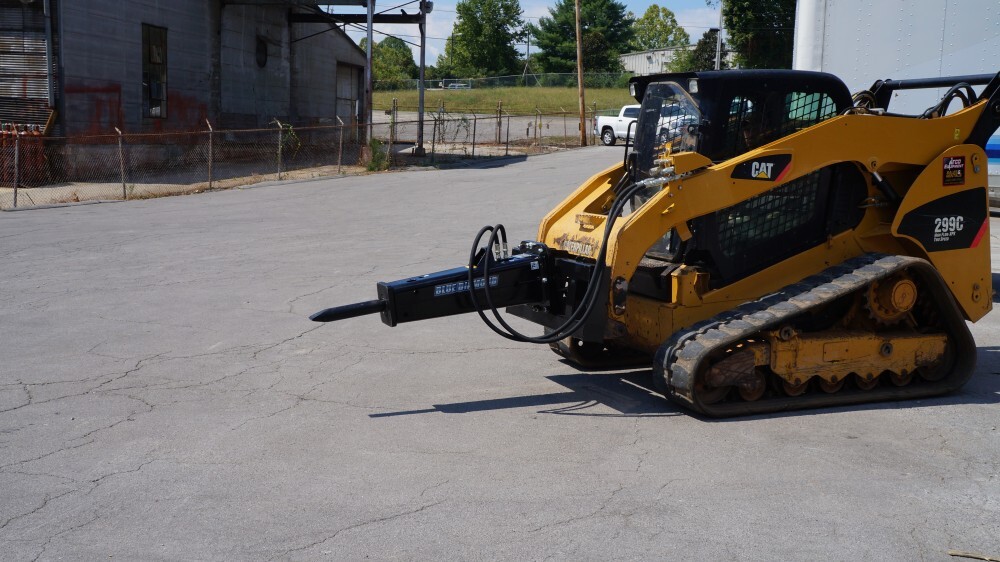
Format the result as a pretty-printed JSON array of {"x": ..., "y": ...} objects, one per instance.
[
  {"x": 628, "y": 393},
  {"x": 449, "y": 161},
  {"x": 631, "y": 394}
]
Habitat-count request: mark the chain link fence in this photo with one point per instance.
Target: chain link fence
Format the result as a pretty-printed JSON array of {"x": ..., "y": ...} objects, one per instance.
[
  {"x": 449, "y": 135},
  {"x": 37, "y": 170},
  {"x": 553, "y": 79}
]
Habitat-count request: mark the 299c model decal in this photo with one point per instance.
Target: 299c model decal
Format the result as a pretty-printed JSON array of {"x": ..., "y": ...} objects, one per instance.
[
  {"x": 952, "y": 222},
  {"x": 946, "y": 227}
]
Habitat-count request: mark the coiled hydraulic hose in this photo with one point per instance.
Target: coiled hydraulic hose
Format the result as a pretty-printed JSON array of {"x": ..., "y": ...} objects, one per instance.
[{"x": 498, "y": 235}]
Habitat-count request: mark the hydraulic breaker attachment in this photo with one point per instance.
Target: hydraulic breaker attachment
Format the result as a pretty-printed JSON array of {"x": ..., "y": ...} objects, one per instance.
[{"x": 519, "y": 278}]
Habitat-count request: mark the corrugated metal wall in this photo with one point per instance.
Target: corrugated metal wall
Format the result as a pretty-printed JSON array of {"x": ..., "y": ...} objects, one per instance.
[
  {"x": 212, "y": 71},
  {"x": 23, "y": 79}
]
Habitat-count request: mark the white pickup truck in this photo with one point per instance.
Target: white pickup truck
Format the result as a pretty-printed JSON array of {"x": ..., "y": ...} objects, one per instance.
[
  {"x": 674, "y": 120},
  {"x": 612, "y": 128}
]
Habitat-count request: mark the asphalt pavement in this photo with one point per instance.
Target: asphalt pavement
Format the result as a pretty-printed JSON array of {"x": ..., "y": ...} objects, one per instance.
[{"x": 163, "y": 396}]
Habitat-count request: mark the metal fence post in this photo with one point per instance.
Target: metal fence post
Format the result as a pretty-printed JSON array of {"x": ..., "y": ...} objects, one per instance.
[
  {"x": 499, "y": 119},
  {"x": 434, "y": 131},
  {"x": 538, "y": 126},
  {"x": 211, "y": 151},
  {"x": 340, "y": 147},
  {"x": 565, "y": 131},
  {"x": 593, "y": 120},
  {"x": 506, "y": 148},
  {"x": 371, "y": 143},
  {"x": 474, "y": 135},
  {"x": 121, "y": 162},
  {"x": 392, "y": 133},
  {"x": 17, "y": 164},
  {"x": 392, "y": 120},
  {"x": 280, "y": 127}
]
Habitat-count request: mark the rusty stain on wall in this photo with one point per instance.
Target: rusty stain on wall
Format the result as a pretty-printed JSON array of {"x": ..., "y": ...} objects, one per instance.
[{"x": 103, "y": 106}]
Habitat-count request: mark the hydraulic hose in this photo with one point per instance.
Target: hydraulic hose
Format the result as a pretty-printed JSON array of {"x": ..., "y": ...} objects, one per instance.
[{"x": 498, "y": 235}]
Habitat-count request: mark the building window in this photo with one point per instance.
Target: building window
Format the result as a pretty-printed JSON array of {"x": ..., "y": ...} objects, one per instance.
[
  {"x": 154, "y": 71},
  {"x": 261, "y": 52}
]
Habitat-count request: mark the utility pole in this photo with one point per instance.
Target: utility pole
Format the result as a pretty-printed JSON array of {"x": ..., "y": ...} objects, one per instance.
[
  {"x": 425, "y": 8},
  {"x": 718, "y": 39},
  {"x": 527, "y": 58},
  {"x": 368, "y": 66},
  {"x": 579, "y": 77}
]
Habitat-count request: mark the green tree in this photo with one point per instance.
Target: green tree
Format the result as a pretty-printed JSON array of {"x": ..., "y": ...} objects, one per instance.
[
  {"x": 658, "y": 29},
  {"x": 606, "y": 29},
  {"x": 702, "y": 57},
  {"x": 483, "y": 41},
  {"x": 392, "y": 62},
  {"x": 761, "y": 33}
]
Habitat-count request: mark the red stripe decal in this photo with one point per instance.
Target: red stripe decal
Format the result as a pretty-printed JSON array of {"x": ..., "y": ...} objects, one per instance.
[
  {"x": 982, "y": 231},
  {"x": 783, "y": 172}
]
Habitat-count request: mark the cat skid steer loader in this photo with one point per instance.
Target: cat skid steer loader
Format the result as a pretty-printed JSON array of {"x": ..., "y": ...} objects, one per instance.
[{"x": 786, "y": 246}]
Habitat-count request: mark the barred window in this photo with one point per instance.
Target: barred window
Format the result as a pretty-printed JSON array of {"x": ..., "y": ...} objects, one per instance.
[
  {"x": 154, "y": 71},
  {"x": 768, "y": 217},
  {"x": 753, "y": 234},
  {"x": 805, "y": 110},
  {"x": 738, "y": 126}
]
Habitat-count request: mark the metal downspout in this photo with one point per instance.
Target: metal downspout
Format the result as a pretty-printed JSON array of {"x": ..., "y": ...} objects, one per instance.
[{"x": 48, "y": 53}]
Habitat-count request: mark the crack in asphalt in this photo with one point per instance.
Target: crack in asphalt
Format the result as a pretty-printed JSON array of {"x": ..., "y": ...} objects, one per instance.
[
  {"x": 433, "y": 487},
  {"x": 284, "y": 341},
  {"x": 49, "y": 454},
  {"x": 99, "y": 481},
  {"x": 138, "y": 366},
  {"x": 26, "y": 387},
  {"x": 45, "y": 502},
  {"x": 594, "y": 513},
  {"x": 298, "y": 401},
  {"x": 66, "y": 479},
  {"x": 152, "y": 323},
  {"x": 383, "y": 519},
  {"x": 28, "y": 399},
  {"x": 48, "y": 541}
]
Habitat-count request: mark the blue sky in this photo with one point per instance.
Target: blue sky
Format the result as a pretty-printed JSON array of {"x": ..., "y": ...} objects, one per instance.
[{"x": 694, "y": 15}]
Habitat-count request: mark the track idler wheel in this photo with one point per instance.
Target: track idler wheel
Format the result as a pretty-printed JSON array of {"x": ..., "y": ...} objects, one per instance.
[
  {"x": 901, "y": 379},
  {"x": 792, "y": 389},
  {"x": 889, "y": 300},
  {"x": 707, "y": 394},
  {"x": 754, "y": 389},
  {"x": 866, "y": 382},
  {"x": 831, "y": 387},
  {"x": 940, "y": 368}
]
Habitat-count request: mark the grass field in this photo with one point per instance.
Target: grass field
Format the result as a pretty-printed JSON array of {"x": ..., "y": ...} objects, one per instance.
[{"x": 515, "y": 100}]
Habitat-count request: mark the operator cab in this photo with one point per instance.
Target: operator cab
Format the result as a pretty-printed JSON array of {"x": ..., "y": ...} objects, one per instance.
[{"x": 722, "y": 114}]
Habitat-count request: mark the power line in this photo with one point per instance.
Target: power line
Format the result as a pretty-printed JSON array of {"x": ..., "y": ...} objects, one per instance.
[{"x": 400, "y": 35}]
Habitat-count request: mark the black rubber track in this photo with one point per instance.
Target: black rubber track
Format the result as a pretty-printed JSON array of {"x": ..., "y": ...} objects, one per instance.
[{"x": 681, "y": 357}]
